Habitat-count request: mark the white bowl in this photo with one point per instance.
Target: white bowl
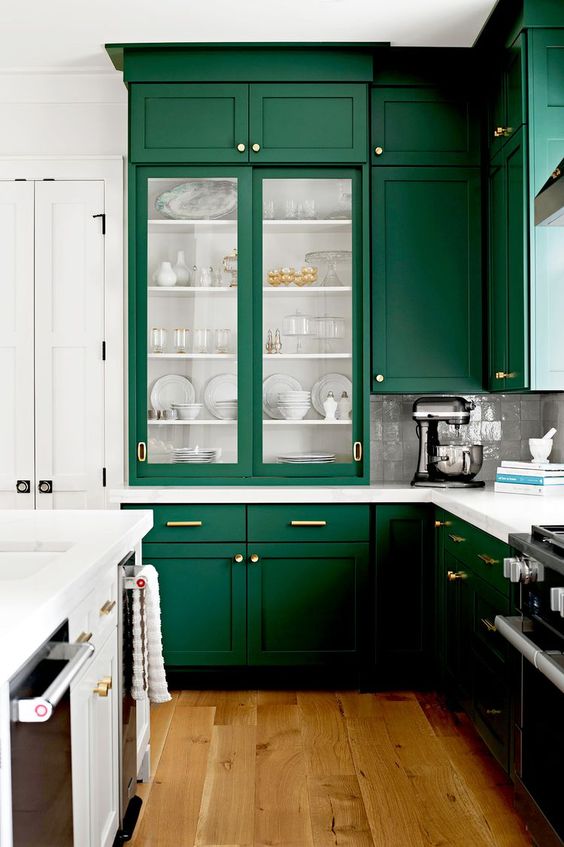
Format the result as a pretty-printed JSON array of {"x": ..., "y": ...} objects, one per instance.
[
  {"x": 188, "y": 413},
  {"x": 294, "y": 414}
]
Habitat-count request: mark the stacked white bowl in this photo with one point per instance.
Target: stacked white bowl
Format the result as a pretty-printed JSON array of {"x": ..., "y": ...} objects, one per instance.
[
  {"x": 187, "y": 411},
  {"x": 294, "y": 405},
  {"x": 227, "y": 409}
]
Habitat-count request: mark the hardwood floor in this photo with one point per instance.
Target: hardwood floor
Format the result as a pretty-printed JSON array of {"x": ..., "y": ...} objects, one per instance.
[{"x": 321, "y": 769}]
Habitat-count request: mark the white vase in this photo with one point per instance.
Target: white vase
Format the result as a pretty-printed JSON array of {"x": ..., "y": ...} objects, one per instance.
[
  {"x": 165, "y": 275},
  {"x": 344, "y": 407},
  {"x": 181, "y": 269},
  {"x": 330, "y": 407}
]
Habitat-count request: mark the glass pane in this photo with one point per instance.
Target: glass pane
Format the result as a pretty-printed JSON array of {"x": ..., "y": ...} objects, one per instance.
[
  {"x": 192, "y": 321},
  {"x": 307, "y": 321}
]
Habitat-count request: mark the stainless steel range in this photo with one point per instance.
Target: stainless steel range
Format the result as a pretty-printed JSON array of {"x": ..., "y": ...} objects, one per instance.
[{"x": 537, "y": 634}]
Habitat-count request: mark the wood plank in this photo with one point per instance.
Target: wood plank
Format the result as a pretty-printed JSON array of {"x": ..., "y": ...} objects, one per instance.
[
  {"x": 277, "y": 698},
  {"x": 353, "y": 704},
  {"x": 338, "y": 816},
  {"x": 282, "y": 806},
  {"x": 324, "y": 734},
  {"x": 231, "y": 707},
  {"x": 172, "y": 810},
  {"x": 227, "y": 808}
]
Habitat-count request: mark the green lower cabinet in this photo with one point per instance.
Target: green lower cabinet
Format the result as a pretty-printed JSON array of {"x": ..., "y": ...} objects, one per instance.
[
  {"x": 307, "y": 603},
  {"x": 203, "y": 602},
  {"x": 427, "y": 280},
  {"x": 404, "y": 580},
  {"x": 458, "y": 621}
]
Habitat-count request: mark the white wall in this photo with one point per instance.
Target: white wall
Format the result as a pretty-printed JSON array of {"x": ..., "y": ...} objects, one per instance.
[{"x": 62, "y": 114}]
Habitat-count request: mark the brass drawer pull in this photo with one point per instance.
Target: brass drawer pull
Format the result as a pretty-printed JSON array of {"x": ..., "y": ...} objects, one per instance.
[
  {"x": 487, "y": 559},
  {"x": 457, "y": 539},
  {"x": 493, "y": 712},
  {"x": 439, "y": 524},
  {"x": 101, "y": 689},
  {"x": 308, "y": 523},
  {"x": 491, "y": 627},
  {"x": 107, "y": 607},
  {"x": 452, "y": 576},
  {"x": 184, "y": 523},
  {"x": 84, "y": 637},
  {"x": 107, "y": 681},
  {"x": 505, "y": 375}
]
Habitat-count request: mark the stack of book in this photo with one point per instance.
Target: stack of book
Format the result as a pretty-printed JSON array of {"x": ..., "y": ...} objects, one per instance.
[{"x": 538, "y": 478}]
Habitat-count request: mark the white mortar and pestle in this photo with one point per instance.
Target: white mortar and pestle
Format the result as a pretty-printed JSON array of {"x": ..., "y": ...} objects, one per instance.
[{"x": 540, "y": 447}]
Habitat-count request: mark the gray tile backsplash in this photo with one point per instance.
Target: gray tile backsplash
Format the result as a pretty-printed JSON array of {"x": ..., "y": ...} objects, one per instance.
[{"x": 502, "y": 423}]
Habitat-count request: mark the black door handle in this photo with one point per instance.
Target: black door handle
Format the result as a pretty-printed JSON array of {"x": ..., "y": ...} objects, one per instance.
[
  {"x": 45, "y": 486},
  {"x": 23, "y": 486}
]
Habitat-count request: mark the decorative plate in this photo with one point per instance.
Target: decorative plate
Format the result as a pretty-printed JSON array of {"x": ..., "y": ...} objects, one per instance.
[
  {"x": 272, "y": 387},
  {"x": 337, "y": 383},
  {"x": 199, "y": 199},
  {"x": 170, "y": 389},
  {"x": 221, "y": 387}
]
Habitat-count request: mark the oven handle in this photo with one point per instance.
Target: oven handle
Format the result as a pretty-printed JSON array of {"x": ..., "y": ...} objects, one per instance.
[
  {"x": 548, "y": 667},
  {"x": 512, "y": 629}
]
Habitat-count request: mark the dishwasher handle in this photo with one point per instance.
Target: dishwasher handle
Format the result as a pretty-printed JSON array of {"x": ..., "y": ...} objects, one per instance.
[
  {"x": 40, "y": 709},
  {"x": 512, "y": 630}
]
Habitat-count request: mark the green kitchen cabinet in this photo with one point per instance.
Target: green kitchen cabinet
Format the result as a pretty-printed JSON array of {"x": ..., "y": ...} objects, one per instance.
[
  {"x": 508, "y": 268},
  {"x": 507, "y": 107},
  {"x": 424, "y": 125},
  {"x": 203, "y": 602},
  {"x": 405, "y": 579},
  {"x": 427, "y": 281},
  {"x": 307, "y": 603},
  {"x": 457, "y": 627}
]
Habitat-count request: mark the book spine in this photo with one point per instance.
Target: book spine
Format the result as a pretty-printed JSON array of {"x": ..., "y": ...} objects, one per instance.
[
  {"x": 539, "y": 466},
  {"x": 509, "y": 488},
  {"x": 518, "y": 479}
]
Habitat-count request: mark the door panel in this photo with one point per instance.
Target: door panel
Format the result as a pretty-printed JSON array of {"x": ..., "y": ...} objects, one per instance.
[
  {"x": 498, "y": 274},
  {"x": 306, "y": 603},
  {"x": 188, "y": 122},
  {"x": 308, "y": 123},
  {"x": 427, "y": 301},
  {"x": 69, "y": 325},
  {"x": 16, "y": 343}
]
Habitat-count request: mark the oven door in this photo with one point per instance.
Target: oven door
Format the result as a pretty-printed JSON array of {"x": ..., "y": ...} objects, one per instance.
[{"x": 538, "y": 793}]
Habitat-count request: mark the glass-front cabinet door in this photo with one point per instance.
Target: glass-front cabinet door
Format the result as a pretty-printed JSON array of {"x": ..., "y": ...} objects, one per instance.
[
  {"x": 191, "y": 322},
  {"x": 308, "y": 310}
]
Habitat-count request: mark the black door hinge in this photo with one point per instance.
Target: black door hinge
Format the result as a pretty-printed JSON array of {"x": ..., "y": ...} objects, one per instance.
[
  {"x": 103, "y": 477},
  {"x": 103, "y": 351},
  {"x": 103, "y": 216},
  {"x": 20, "y": 179},
  {"x": 48, "y": 179}
]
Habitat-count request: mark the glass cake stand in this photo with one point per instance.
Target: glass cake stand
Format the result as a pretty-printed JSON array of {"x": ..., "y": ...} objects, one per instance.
[{"x": 331, "y": 258}]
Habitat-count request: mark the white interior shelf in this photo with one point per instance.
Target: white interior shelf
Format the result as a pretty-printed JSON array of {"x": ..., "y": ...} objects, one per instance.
[
  {"x": 266, "y": 421},
  {"x": 272, "y": 356},
  {"x": 278, "y": 227},
  {"x": 183, "y": 290},
  {"x": 174, "y": 226},
  {"x": 197, "y": 422},
  {"x": 306, "y": 289},
  {"x": 306, "y": 422},
  {"x": 192, "y": 356}
]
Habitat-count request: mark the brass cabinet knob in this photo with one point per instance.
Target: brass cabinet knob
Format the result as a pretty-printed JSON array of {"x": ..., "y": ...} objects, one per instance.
[
  {"x": 498, "y": 131},
  {"x": 378, "y": 150},
  {"x": 238, "y": 557},
  {"x": 101, "y": 689},
  {"x": 256, "y": 148},
  {"x": 241, "y": 148},
  {"x": 107, "y": 607},
  {"x": 379, "y": 377},
  {"x": 84, "y": 637},
  {"x": 254, "y": 558},
  {"x": 452, "y": 576}
]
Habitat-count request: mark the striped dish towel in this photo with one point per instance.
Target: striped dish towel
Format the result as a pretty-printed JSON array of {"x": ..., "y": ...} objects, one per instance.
[{"x": 148, "y": 665}]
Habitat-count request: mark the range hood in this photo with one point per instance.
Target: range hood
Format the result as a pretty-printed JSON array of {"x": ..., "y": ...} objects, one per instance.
[{"x": 549, "y": 202}]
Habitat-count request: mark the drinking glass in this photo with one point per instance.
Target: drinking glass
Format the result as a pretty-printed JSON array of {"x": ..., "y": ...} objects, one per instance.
[
  {"x": 205, "y": 277},
  {"x": 290, "y": 210},
  {"x": 158, "y": 339},
  {"x": 202, "y": 340},
  {"x": 222, "y": 340},
  {"x": 306, "y": 210},
  {"x": 181, "y": 340},
  {"x": 268, "y": 210}
]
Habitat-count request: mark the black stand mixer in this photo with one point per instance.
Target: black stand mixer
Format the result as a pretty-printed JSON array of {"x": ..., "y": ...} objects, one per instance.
[{"x": 445, "y": 465}]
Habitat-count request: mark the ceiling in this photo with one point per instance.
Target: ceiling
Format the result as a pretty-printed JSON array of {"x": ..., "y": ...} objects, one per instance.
[{"x": 68, "y": 35}]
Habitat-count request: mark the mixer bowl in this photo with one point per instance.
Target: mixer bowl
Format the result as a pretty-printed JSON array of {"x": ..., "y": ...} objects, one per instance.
[{"x": 462, "y": 461}]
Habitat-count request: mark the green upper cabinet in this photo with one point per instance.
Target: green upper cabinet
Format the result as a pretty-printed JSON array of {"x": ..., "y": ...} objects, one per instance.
[
  {"x": 507, "y": 107},
  {"x": 424, "y": 126},
  {"x": 308, "y": 123},
  {"x": 427, "y": 284},
  {"x": 188, "y": 122},
  {"x": 508, "y": 268}
]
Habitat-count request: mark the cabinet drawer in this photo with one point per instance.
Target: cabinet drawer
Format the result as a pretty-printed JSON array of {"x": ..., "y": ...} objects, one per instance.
[
  {"x": 492, "y": 707},
  {"x": 196, "y": 523},
  {"x": 487, "y": 604},
  {"x": 97, "y": 615},
  {"x": 305, "y": 522},
  {"x": 477, "y": 550}
]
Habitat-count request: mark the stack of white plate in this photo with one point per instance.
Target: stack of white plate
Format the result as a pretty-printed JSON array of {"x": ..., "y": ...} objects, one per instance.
[
  {"x": 227, "y": 409},
  {"x": 194, "y": 455},
  {"x": 306, "y": 458},
  {"x": 294, "y": 405},
  {"x": 187, "y": 411}
]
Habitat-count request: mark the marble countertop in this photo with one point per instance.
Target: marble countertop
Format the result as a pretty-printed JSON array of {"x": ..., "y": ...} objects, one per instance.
[
  {"x": 498, "y": 514},
  {"x": 78, "y": 546}
]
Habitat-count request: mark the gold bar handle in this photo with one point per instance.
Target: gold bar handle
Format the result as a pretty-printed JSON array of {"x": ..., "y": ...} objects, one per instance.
[
  {"x": 457, "y": 539},
  {"x": 493, "y": 712},
  {"x": 308, "y": 523},
  {"x": 505, "y": 375},
  {"x": 439, "y": 524},
  {"x": 491, "y": 627},
  {"x": 107, "y": 607},
  {"x": 84, "y": 637},
  {"x": 452, "y": 576},
  {"x": 487, "y": 559},
  {"x": 184, "y": 523}
]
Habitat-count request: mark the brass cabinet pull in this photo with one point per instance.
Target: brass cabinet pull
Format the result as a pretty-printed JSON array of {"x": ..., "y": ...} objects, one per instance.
[
  {"x": 502, "y": 131},
  {"x": 491, "y": 627},
  {"x": 101, "y": 689},
  {"x": 254, "y": 558},
  {"x": 84, "y": 637},
  {"x": 256, "y": 148},
  {"x": 505, "y": 374},
  {"x": 487, "y": 559},
  {"x": 457, "y": 539},
  {"x": 241, "y": 148},
  {"x": 184, "y": 523},
  {"x": 493, "y": 712},
  {"x": 378, "y": 150},
  {"x": 107, "y": 607},
  {"x": 107, "y": 681},
  {"x": 379, "y": 377},
  {"x": 308, "y": 523},
  {"x": 141, "y": 451},
  {"x": 357, "y": 451},
  {"x": 238, "y": 557},
  {"x": 452, "y": 576},
  {"x": 439, "y": 524}
]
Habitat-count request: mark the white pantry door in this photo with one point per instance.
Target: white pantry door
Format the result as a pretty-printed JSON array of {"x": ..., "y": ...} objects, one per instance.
[
  {"x": 69, "y": 326},
  {"x": 16, "y": 344}
]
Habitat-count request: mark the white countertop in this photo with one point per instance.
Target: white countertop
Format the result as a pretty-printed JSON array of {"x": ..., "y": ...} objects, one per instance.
[
  {"x": 32, "y": 608},
  {"x": 498, "y": 514}
]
